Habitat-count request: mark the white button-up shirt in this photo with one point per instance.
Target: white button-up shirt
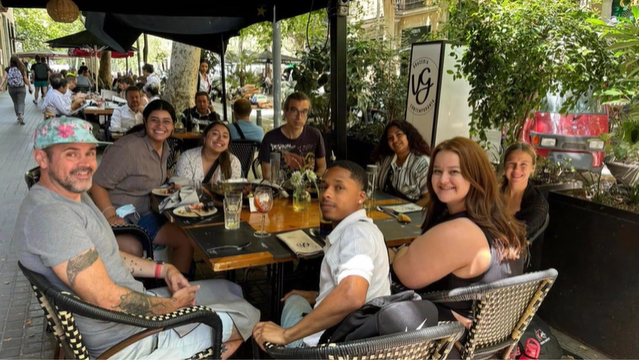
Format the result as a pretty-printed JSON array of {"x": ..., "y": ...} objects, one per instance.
[
  {"x": 56, "y": 102},
  {"x": 125, "y": 118},
  {"x": 355, "y": 247}
]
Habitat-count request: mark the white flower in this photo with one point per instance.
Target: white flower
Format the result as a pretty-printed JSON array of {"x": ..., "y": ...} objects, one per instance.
[
  {"x": 296, "y": 178},
  {"x": 311, "y": 175}
]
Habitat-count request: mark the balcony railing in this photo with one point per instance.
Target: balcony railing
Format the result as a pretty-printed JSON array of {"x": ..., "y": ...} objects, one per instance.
[{"x": 406, "y": 5}]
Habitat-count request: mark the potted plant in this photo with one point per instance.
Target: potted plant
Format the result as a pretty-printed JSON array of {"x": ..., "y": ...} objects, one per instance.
[
  {"x": 517, "y": 52},
  {"x": 622, "y": 93},
  {"x": 593, "y": 235}
]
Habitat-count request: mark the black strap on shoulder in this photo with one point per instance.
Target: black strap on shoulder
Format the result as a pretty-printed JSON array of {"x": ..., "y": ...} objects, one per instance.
[
  {"x": 239, "y": 130},
  {"x": 209, "y": 175}
]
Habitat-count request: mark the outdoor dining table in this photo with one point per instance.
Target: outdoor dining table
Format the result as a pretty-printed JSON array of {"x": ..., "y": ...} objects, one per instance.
[
  {"x": 208, "y": 233},
  {"x": 181, "y": 135}
]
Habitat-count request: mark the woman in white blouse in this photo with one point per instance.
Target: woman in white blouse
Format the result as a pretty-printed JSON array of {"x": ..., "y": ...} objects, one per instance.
[
  {"x": 196, "y": 163},
  {"x": 402, "y": 156}
]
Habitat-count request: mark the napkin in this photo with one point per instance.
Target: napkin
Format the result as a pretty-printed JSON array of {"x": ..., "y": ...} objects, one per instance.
[
  {"x": 186, "y": 196},
  {"x": 300, "y": 243}
]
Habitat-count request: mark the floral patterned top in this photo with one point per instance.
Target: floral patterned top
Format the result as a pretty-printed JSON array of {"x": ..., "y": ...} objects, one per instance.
[{"x": 190, "y": 166}]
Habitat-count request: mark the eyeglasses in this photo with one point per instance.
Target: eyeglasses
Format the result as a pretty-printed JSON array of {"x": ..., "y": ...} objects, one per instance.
[{"x": 296, "y": 112}]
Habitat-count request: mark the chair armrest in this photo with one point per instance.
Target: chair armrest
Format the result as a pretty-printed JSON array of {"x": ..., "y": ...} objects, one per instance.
[
  {"x": 197, "y": 313},
  {"x": 477, "y": 292},
  {"x": 190, "y": 315}
]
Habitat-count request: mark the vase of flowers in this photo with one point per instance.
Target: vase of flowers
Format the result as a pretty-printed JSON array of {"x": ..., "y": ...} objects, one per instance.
[{"x": 301, "y": 196}]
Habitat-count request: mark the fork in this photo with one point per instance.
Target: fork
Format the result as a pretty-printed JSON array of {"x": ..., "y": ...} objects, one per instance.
[
  {"x": 235, "y": 247},
  {"x": 188, "y": 210}
]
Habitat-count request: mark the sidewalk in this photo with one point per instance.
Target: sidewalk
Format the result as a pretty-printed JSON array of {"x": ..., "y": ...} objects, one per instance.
[{"x": 21, "y": 319}]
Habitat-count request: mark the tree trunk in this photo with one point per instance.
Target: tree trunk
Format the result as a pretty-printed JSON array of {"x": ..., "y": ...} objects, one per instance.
[
  {"x": 182, "y": 80},
  {"x": 145, "y": 50},
  {"x": 104, "y": 75}
]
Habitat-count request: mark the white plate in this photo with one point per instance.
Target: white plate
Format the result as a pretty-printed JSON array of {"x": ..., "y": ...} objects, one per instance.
[
  {"x": 180, "y": 211},
  {"x": 160, "y": 192},
  {"x": 92, "y": 108}
]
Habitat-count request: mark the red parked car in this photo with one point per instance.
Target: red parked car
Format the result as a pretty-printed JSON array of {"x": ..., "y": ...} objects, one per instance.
[{"x": 575, "y": 135}]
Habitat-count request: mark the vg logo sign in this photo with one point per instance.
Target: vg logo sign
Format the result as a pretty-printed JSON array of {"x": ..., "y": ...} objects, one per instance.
[{"x": 422, "y": 89}]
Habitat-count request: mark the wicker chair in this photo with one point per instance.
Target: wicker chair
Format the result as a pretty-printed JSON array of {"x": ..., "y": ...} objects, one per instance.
[
  {"x": 430, "y": 343},
  {"x": 60, "y": 307},
  {"x": 502, "y": 311},
  {"x": 32, "y": 177},
  {"x": 245, "y": 151},
  {"x": 256, "y": 167},
  {"x": 176, "y": 145}
]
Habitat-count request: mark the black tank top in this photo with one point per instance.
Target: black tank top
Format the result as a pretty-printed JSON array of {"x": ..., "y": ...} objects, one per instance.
[{"x": 497, "y": 270}]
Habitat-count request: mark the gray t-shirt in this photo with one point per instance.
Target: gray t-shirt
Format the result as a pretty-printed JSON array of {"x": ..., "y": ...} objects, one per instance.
[{"x": 53, "y": 229}]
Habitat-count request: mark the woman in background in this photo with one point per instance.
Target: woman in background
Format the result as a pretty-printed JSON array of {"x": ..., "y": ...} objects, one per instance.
[
  {"x": 402, "y": 157},
  {"x": 526, "y": 202},
  {"x": 198, "y": 163},
  {"x": 15, "y": 77}
]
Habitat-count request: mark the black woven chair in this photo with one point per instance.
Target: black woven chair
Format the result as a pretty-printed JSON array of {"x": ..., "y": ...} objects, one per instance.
[
  {"x": 534, "y": 253},
  {"x": 60, "y": 307},
  {"x": 502, "y": 310},
  {"x": 430, "y": 343},
  {"x": 245, "y": 151},
  {"x": 32, "y": 177},
  {"x": 176, "y": 146}
]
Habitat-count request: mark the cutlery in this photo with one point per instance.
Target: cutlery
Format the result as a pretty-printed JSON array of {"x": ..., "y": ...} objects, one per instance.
[
  {"x": 402, "y": 218},
  {"x": 316, "y": 235},
  {"x": 214, "y": 251},
  {"x": 189, "y": 211}
]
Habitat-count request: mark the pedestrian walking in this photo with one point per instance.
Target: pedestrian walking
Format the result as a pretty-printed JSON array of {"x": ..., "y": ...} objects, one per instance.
[{"x": 15, "y": 77}]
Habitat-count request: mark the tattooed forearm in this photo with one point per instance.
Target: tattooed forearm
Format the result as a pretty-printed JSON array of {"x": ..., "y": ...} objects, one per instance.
[
  {"x": 77, "y": 264},
  {"x": 139, "y": 304},
  {"x": 133, "y": 263}
]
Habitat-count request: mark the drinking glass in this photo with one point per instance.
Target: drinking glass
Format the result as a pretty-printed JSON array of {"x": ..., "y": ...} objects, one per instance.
[
  {"x": 263, "y": 200},
  {"x": 197, "y": 186},
  {"x": 232, "y": 208}
]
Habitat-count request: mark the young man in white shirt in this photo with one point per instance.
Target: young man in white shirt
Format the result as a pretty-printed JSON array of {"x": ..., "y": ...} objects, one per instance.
[
  {"x": 355, "y": 268},
  {"x": 56, "y": 102}
]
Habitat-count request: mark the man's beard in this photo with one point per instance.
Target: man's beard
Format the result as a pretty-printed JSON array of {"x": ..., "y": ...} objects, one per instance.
[{"x": 70, "y": 185}]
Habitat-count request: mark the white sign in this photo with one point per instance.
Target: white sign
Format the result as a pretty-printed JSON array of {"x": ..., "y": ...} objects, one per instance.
[{"x": 422, "y": 95}]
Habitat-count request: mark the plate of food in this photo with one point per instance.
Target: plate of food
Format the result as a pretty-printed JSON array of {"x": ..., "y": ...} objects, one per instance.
[
  {"x": 166, "y": 191},
  {"x": 195, "y": 210}
]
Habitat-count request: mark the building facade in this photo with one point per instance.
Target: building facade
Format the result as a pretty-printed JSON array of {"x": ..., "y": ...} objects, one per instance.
[{"x": 7, "y": 36}]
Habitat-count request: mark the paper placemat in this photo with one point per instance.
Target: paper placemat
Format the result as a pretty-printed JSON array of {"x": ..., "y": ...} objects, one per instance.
[{"x": 213, "y": 236}]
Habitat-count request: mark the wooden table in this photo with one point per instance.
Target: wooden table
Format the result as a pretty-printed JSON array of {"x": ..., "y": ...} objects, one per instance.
[
  {"x": 281, "y": 218},
  {"x": 180, "y": 135},
  {"x": 99, "y": 111}
]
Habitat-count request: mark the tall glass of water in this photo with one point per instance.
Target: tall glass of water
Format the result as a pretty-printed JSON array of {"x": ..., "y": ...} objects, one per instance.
[{"x": 232, "y": 205}]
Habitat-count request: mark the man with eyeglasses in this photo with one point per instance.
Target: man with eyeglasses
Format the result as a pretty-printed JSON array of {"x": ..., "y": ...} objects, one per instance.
[{"x": 300, "y": 146}]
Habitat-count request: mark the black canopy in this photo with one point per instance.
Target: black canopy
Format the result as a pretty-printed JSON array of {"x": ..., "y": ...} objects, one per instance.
[
  {"x": 257, "y": 10},
  {"x": 121, "y": 31},
  {"x": 82, "y": 39}
]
